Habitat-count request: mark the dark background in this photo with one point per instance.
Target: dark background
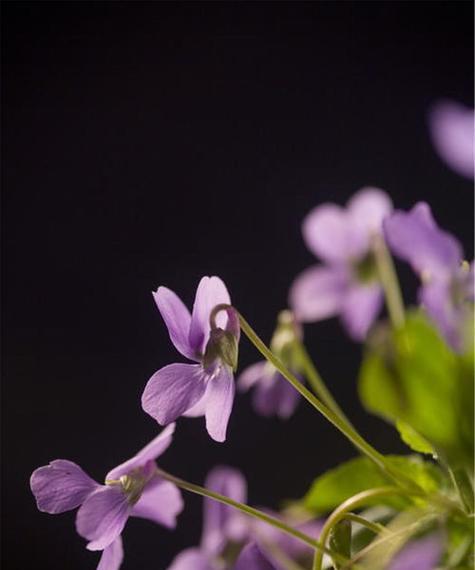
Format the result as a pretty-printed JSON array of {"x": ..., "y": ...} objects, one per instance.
[{"x": 153, "y": 143}]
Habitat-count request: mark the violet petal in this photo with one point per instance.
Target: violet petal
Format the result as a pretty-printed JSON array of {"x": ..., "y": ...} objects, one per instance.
[
  {"x": 60, "y": 486},
  {"x": 415, "y": 237},
  {"x": 177, "y": 319},
  {"x": 220, "y": 522},
  {"x": 102, "y": 516},
  {"x": 219, "y": 402},
  {"x": 250, "y": 375},
  {"x": 160, "y": 502},
  {"x": 422, "y": 554},
  {"x": 318, "y": 293},
  {"x": 211, "y": 292},
  {"x": 360, "y": 309},
  {"x": 173, "y": 390},
  {"x": 112, "y": 556},
  {"x": 252, "y": 558},
  {"x": 191, "y": 559},
  {"x": 368, "y": 207},
  {"x": 452, "y": 130},
  {"x": 329, "y": 234},
  {"x": 149, "y": 453}
]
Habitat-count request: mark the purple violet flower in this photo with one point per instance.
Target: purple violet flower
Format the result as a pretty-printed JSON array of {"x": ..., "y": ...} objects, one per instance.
[
  {"x": 253, "y": 558},
  {"x": 347, "y": 285},
  {"x": 436, "y": 256},
  {"x": 221, "y": 524},
  {"x": 452, "y": 130},
  {"x": 272, "y": 393},
  {"x": 422, "y": 554},
  {"x": 267, "y": 536},
  {"x": 205, "y": 388},
  {"x": 131, "y": 489}
]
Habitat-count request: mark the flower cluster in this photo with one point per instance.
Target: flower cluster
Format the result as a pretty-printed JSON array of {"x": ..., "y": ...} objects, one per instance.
[{"x": 414, "y": 375}]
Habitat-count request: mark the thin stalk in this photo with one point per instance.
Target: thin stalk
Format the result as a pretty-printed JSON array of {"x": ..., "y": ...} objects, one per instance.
[
  {"x": 341, "y": 512},
  {"x": 246, "y": 509},
  {"x": 316, "y": 381},
  {"x": 347, "y": 430},
  {"x": 389, "y": 281}
]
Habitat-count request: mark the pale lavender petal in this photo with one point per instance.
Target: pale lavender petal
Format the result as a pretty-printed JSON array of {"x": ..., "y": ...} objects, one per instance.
[
  {"x": 149, "y": 453},
  {"x": 112, "y": 556},
  {"x": 198, "y": 410},
  {"x": 329, "y": 233},
  {"x": 177, "y": 319},
  {"x": 415, "y": 237},
  {"x": 192, "y": 559},
  {"x": 102, "y": 516},
  {"x": 60, "y": 486},
  {"x": 318, "y": 293},
  {"x": 211, "y": 292},
  {"x": 252, "y": 558},
  {"x": 360, "y": 309},
  {"x": 222, "y": 523},
  {"x": 423, "y": 554},
  {"x": 250, "y": 375},
  {"x": 219, "y": 402},
  {"x": 160, "y": 502},
  {"x": 452, "y": 130},
  {"x": 279, "y": 397},
  {"x": 368, "y": 207},
  {"x": 173, "y": 390}
]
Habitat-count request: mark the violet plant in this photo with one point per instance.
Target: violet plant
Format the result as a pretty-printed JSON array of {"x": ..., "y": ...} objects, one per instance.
[{"x": 374, "y": 512}]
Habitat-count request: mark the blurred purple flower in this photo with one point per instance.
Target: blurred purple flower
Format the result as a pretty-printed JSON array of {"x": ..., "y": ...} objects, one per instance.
[
  {"x": 131, "y": 489},
  {"x": 221, "y": 524},
  {"x": 452, "y": 129},
  {"x": 422, "y": 554},
  {"x": 267, "y": 536},
  {"x": 206, "y": 388},
  {"x": 253, "y": 558},
  {"x": 347, "y": 285},
  {"x": 436, "y": 256},
  {"x": 272, "y": 394}
]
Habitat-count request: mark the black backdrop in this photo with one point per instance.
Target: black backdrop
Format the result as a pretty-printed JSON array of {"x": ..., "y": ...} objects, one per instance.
[{"x": 153, "y": 143}]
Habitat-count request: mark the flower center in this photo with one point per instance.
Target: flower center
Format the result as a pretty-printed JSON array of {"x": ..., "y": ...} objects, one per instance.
[
  {"x": 132, "y": 484},
  {"x": 365, "y": 269}
]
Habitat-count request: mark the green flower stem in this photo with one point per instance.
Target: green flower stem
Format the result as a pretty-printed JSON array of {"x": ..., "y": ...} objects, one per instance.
[
  {"x": 316, "y": 381},
  {"x": 246, "y": 509},
  {"x": 342, "y": 511},
  {"x": 347, "y": 430},
  {"x": 389, "y": 281},
  {"x": 374, "y": 527},
  {"x": 463, "y": 486}
]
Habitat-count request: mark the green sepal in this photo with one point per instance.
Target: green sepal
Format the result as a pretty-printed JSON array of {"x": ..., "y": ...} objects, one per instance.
[{"x": 222, "y": 345}]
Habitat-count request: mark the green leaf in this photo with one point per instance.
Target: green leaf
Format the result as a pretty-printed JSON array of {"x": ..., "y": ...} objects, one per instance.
[
  {"x": 412, "y": 377},
  {"x": 359, "y": 474},
  {"x": 413, "y": 439},
  {"x": 342, "y": 482}
]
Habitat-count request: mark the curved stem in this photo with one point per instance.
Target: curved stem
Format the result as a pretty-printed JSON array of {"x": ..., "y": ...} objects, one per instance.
[
  {"x": 246, "y": 509},
  {"x": 374, "y": 527},
  {"x": 389, "y": 281},
  {"x": 341, "y": 512},
  {"x": 316, "y": 381}
]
